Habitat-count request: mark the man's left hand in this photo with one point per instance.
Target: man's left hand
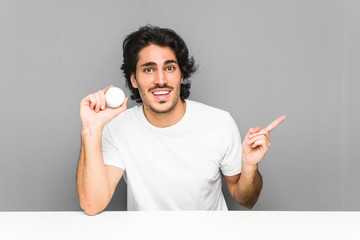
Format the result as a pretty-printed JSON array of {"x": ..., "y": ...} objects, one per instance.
[{"x": 257, "y": 143}]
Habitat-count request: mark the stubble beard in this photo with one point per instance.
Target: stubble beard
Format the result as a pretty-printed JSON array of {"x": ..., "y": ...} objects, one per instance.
[{"x": 167, "y": 110}]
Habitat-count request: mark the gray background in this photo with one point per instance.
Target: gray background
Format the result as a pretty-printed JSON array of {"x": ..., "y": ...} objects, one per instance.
[{"x": 257, "y": 60}]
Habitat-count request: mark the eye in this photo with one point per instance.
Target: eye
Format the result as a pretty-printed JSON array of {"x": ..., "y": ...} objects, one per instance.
[
  {"x": 148, "y": 70},
  {"x": 170, "y": 68}
]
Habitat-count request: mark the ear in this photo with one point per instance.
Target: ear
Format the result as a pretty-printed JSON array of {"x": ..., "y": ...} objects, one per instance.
[
  {"x": 133, "y": 80},
  {"x": 182, "y": 79}
]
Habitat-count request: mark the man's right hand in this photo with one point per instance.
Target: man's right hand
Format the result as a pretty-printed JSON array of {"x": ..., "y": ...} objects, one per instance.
[{"x": 93, "y": 110}]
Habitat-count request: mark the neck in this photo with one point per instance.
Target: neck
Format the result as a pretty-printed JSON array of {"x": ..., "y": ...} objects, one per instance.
[{"x": 162, "y": 120}]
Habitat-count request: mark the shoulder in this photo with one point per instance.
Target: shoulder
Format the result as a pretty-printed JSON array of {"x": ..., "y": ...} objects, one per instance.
[
  {"x": 205, "y": 111},
  {"x": 125, "y": 118}
]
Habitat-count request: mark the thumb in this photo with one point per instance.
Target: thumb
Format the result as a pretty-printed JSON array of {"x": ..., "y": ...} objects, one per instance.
[{"x": 121, "y": 108}]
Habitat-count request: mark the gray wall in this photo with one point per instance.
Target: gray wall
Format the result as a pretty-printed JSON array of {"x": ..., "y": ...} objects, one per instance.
[{"x": 257, "y": 60}]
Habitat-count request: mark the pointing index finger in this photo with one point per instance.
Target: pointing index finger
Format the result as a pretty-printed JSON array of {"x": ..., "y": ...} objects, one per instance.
[{"x": 273, "y": 125}]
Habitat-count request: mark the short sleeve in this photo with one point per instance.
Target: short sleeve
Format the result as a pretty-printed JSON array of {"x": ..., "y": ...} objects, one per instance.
[
  {"x": 111, "y": 154},
  {"x": 231, "y": 161}
]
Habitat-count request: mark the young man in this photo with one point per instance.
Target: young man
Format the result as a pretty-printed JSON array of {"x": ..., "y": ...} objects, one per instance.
[{"x": 171, "y": 151}]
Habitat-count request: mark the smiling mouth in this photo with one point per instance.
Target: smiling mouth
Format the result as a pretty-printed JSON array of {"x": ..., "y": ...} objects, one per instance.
[{"x": 161, "y": 94}]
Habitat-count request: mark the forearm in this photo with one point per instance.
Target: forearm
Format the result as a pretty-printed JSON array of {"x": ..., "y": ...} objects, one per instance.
[
  {"x": 92, "y": 182},
  {"x": 248, "y": 187}
]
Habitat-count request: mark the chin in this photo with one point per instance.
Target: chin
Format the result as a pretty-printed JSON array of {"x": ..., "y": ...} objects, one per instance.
[{"x": 163, "y": 106}]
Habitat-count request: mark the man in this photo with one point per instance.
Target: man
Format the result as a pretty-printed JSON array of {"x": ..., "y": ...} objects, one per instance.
[{"x": 171, "y": 151}]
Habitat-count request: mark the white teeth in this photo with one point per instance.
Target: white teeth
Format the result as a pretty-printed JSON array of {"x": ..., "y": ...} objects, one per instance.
[{"x": 161, "y": 92}]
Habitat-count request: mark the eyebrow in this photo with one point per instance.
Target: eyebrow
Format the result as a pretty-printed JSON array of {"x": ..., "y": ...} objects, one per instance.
[
  {"x": 154, "y": 64},
  {"x": 169, "y": 61},
  {"x": 148, "y": 64}
]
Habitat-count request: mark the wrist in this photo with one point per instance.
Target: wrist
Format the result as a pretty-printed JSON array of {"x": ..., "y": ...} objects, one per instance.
[
  {"x": 248, "y": 168},
  {"x": 91, "y": 131}
]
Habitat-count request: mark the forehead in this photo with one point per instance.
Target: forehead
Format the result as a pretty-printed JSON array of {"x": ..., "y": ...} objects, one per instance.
[{"x": 157, "y": 54}]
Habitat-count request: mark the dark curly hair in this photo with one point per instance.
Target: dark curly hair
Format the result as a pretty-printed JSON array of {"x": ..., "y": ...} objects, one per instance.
[{"x": 146, "y": 36}]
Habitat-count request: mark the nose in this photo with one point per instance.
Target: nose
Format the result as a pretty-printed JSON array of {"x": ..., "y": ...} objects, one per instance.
[{"x": 161, "y": 78}]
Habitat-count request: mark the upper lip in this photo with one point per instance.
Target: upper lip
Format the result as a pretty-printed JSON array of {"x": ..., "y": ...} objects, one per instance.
[{"x": 161, "y": 89}]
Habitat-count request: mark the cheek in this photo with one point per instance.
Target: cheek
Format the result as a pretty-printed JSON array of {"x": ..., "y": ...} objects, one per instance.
[
  {"x": 145, "y": 79},
  {"x": 175, "y": 79},
  {"x": 143, "y": 85}
]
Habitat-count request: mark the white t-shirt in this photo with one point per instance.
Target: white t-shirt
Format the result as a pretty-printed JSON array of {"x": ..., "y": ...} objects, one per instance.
[{"x": 177, "y": 167}]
